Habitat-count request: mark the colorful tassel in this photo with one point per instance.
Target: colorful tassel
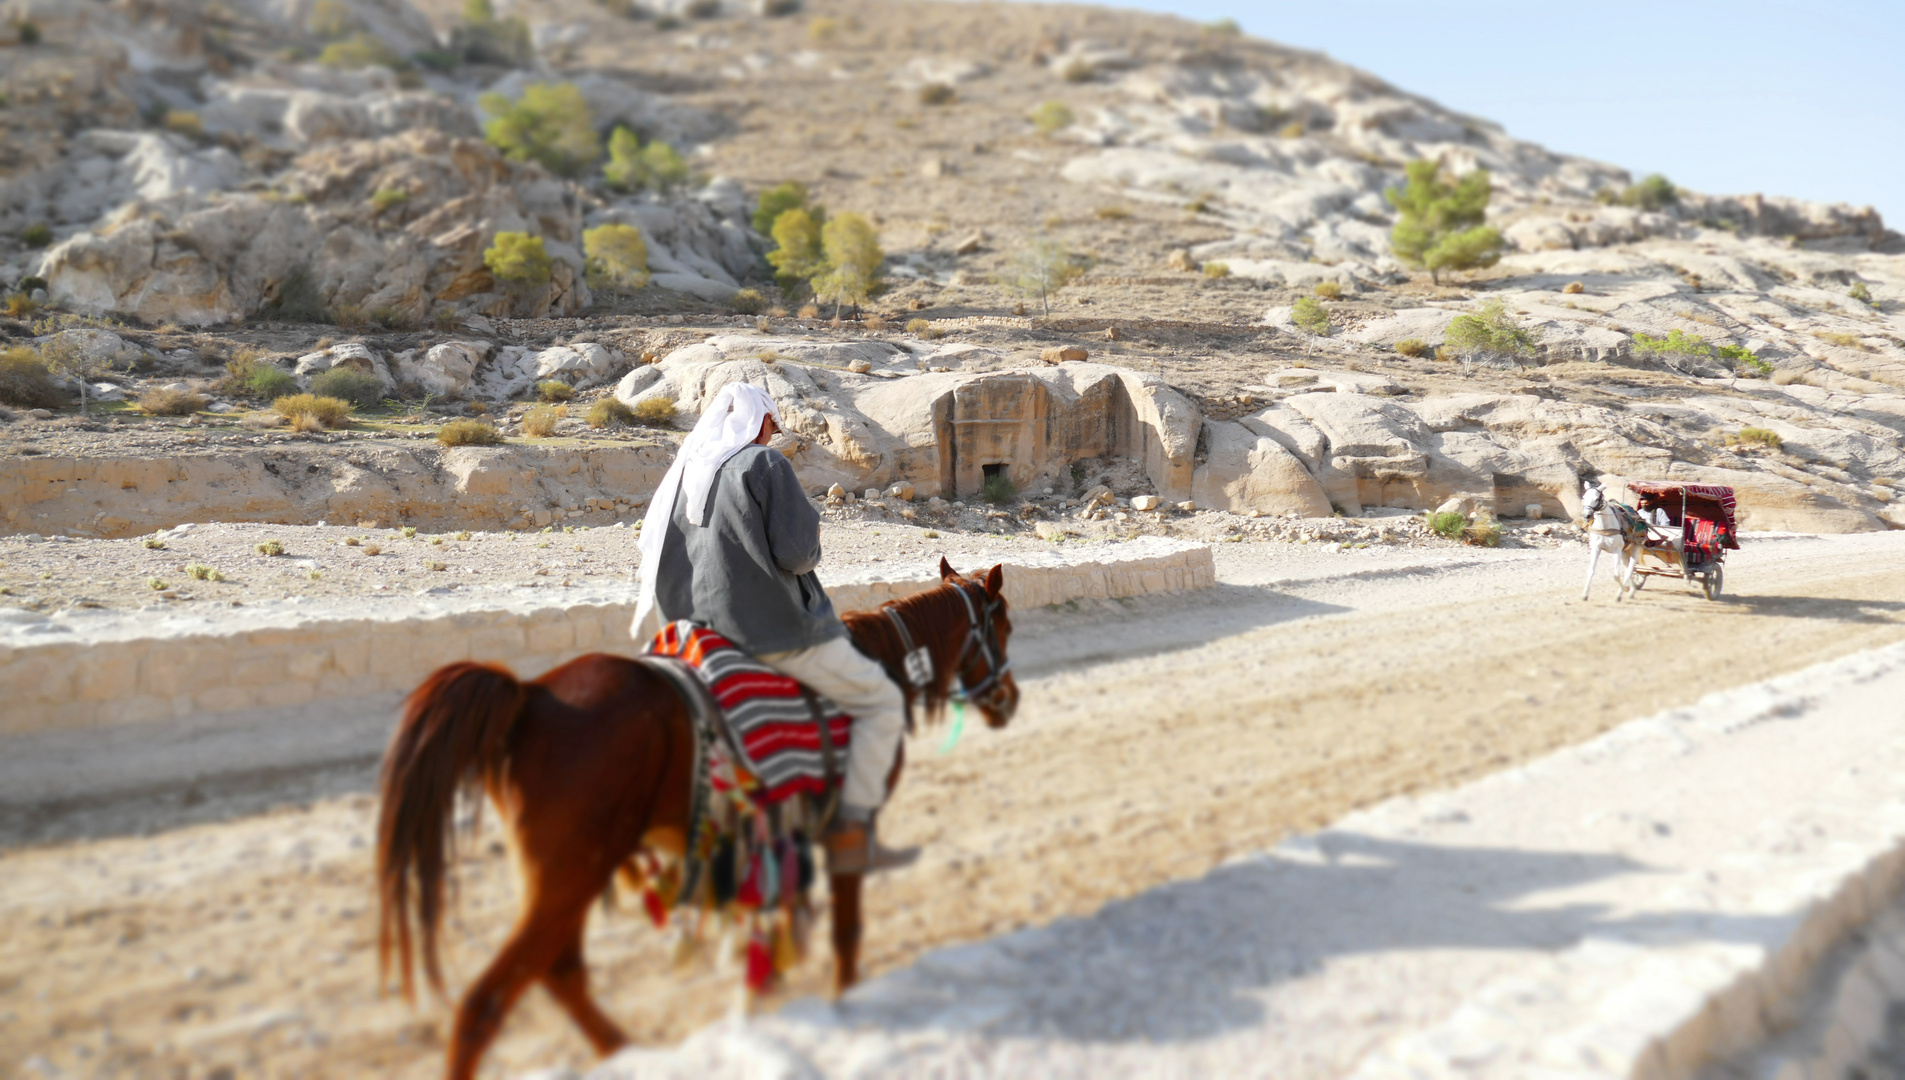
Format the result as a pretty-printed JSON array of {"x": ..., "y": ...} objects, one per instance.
[
  {"x": 760, "y": 965},
  {"x": 657, "y": 911}
]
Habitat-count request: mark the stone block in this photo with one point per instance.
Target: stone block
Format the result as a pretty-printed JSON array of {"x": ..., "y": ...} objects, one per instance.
[
  {"x": 306, "y": 664},
  {"x": 497, "y": 643},
  {"x": 551, "y": 637},
  {"x": 261, "y": 668},
  {"x": 350, "y": 657},
  {"x": 110, "y": 672},
  {"x": 39, "y": 675},
  {"x": 137, "y": 709},
  {"x": 287, "y": 692},
  {"x": 588, "y": 633}
]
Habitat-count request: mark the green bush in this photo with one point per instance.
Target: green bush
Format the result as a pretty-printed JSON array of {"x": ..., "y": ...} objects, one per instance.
[
  {"x": 549, "y": 125},
  {"x": 1327, "y": 290},
  {"x": 1860, "y": 293},
  {"x": 1414, "y": 347},
  {"x": 617, "y": 257},
  {"x": 469, "y": 433},
  {"x": 1216, "y": 270},
  {"x": 37, "y": 235},
  {"x": 540, "y": 422},
  {"x": 655, "y": 411},
  {"x": 358, "y": 51},
  {"x": 1744, "y": 362},
  {"x": 797, "y": 254},
  {"x": 1484, "y": 531},
  {"x": 634, "y": 167},
  {"x": 554, "y": 390},
  {"x": 1655, "y": 192},
  {"x": 1041, "y": 268},
  {"x": 482, "y": 38},
  {"x": 29, "y": 33},
  {"x": 610, "y": 413},
  {"x": 328, "y": 412},
  {"x": 271, "y": 548},
  {"x": 360, "y": 388},
  {"x": 248, "y": 375},
  {"x": 26, "y": 383},
  {"x": 747, "y": 302},
  {"x": 1676, "y": 342},
  {"x": 1450, "y": 524},
  {"x": 159, "y": 401},
  {"x": 1492, "y": 331},
  {"x": 1439, "y": 225},
  {"x": 998, "y": 489},
  {"x": 518, "y": 261},
  {"x": 1309, "y": 316},
  {"x": 384, "y": 198},
  {"x": 1052, "y": 117},
  {"x": 776, "y": 201},
  {"x": 852, "y": 253},
  {"x": 1759, "y": 436}
]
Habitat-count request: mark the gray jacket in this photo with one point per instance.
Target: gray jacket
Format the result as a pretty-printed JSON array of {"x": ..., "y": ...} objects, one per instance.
[{"x": 747, "y": 569}]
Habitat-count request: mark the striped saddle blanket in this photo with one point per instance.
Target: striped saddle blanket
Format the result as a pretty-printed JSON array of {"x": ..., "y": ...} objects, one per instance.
[{"x": 768, "y": 714}]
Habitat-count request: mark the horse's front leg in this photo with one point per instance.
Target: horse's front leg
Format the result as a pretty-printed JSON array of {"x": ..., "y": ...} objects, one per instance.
[
  {"x": 1594, "y": 560},
  {"x": 846, "y": 930}
]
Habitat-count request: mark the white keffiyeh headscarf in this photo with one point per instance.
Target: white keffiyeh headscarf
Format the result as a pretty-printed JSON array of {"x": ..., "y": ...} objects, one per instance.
[{"x": 731, "y": 421}]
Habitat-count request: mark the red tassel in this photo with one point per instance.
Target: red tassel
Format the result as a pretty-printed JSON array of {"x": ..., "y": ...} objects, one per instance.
[
  {"x": 760, "y": 965},
  {"x": 657, "y": 912}
]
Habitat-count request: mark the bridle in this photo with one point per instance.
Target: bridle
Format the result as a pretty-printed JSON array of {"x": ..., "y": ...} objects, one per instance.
[{"x": 982, "y": 640}]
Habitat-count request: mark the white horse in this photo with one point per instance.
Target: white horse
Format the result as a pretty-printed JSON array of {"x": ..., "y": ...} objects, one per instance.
[{"x": 1611, "y": 531}]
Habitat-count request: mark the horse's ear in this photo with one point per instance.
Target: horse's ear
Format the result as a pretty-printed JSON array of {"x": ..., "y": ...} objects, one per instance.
[
  {"x": 946, "y": 572},
  {"x": 995, "y": 579}
]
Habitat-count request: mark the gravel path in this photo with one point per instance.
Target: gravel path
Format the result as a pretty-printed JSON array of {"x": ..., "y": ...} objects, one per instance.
[{"x": 1157, "y": 739}]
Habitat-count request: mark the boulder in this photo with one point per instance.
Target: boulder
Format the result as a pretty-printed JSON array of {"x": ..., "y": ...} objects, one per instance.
[
  {"x": 446, "y": 370},
  {"x": 94, "y": 348},
  {"x": 581, "y": 365},
  {"x": 1243, "y": 471},
  {"x": 350, "y": 354},
  {"x": 901, "y": 490},
  {"x": 1065, "y": 354},
  {"x": 1146, "y": 502}
]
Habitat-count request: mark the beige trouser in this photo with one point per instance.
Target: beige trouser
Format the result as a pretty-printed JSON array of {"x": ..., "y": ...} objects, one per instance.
[{"x": 860, "y": 687}]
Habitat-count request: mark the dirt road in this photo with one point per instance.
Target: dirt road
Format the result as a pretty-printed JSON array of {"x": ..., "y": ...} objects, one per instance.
[{"x": 1155, "y": 739}]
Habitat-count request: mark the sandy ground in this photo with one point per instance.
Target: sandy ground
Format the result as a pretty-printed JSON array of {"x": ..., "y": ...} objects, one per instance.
[{"x": 1157, "y": 737}]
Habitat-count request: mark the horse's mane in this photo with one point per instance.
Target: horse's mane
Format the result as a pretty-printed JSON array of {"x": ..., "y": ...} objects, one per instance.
[{"x": 938, "y": 621}]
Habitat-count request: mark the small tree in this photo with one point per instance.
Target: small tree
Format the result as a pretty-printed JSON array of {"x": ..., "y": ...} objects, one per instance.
[
  {"x": 634, "y": 167},
  {"x": 851, "y": 252},
  {"x": 618, "y": 257},
  {"x": 1440, "y": 224},
  {"x": 797, "y": 253},
  {"x": 518, "y": 261},
  {"x": 776, "y": 201},
  {"x": 1040, "y": 269},
  {"x": 549, "y": 125},
  {"x": 1492, "y": 332},
  {"x": 1310, "y": 317}
]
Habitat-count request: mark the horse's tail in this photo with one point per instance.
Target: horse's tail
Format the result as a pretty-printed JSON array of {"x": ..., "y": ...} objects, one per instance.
[{"x": 454, "y": 732}]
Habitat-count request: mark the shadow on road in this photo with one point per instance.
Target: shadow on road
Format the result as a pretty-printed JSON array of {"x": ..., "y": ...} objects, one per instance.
[
  {"x": 1062, "y": 637},
  {"x": 1190, "y": 960}
]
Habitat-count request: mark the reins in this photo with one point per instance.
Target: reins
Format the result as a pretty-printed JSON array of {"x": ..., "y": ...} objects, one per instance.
[{"x": 982, "y": 636}]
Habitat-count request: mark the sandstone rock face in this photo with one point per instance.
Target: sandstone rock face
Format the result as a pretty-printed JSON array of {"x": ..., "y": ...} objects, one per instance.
[
  {"x": 1244, "y": 471},
  {"x": 185, "y": 258}
]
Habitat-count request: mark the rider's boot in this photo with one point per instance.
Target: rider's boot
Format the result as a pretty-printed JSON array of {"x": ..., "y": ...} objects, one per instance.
[{"x": 854, "y": 848}]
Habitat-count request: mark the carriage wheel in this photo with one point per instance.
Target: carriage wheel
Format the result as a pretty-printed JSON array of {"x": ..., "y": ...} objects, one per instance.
[{"x": 1719, "y": 582}]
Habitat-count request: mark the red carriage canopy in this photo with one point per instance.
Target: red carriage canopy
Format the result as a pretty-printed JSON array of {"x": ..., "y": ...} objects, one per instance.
[{"x": 1713, "y": 502}]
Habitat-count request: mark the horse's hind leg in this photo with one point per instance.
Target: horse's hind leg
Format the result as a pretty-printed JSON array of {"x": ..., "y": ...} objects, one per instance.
[
  {"x": 568, "y": 982},
  {"x": 532, "y": 947}
]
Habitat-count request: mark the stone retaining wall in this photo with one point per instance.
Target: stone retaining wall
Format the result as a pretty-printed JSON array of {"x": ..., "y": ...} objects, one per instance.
[{"x": 134, "y": 671}]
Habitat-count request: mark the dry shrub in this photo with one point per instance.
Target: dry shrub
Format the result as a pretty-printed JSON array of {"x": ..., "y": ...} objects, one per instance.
[
  {"x": 1446, "y": 354},
  {"x": 1111, "y": 213},
  {"x": 655, "y": 411},
  {"x": 1328, "y": 290},
  {"x": 328, "y": 411},
  {"x": 468, "y": 433},
  {"x": 540, "y": 422},
  {"x": 162, "y": 402},
  {"x": 937, "y": 94},
  {"x": 747, "y": 302},
  {"x": 809, "y": 311},
  {"x": 1484, "y": 531},
  {"x": 25, "y": 382},
  {"x": 360, "y": 388},
  {"x": 373, "y": 549},
  {"x": 1415, "y": 347},
  {"x": 875, "y": 322},
  {"x": 1759, "y": 436},
  {"x": 271, "y": 547},
  {"x": 1574, "y": 287},
  {"x": 306, "y": 424},
  {"x": 1216, "y": 270},
  {"x": 609, "y": 413},
  {"x": 261, "y": 420},
  {"x": 1784, "y": 377},
  {"x": 554, "y": 390}
]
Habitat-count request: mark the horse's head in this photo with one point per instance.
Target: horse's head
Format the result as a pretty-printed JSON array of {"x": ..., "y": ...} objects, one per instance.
[
  {"x": 1593, "y": 498},
  {"x": 982, "y": 668}
]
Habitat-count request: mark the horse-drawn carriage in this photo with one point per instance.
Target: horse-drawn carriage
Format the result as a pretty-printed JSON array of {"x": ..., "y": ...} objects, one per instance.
[{"x": 1699, "y": 530}]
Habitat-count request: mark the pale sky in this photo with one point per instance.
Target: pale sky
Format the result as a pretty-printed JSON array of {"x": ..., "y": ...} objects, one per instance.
[{"x": 1783, "y": 98}]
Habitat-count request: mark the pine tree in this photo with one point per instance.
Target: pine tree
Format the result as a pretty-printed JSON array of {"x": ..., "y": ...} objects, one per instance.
[{"x": 1440, "y": 224}]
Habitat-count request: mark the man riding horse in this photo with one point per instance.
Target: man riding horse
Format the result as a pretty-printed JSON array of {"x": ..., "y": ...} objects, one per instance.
[{"x": 731, "y": 542}]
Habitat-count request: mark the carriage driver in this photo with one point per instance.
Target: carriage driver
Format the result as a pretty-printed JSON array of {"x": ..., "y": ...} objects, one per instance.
[{"x": 731, "y": 542}]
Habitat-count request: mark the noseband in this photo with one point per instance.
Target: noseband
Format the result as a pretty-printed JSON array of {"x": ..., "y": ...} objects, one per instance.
[{"x": 982, "y": 639}]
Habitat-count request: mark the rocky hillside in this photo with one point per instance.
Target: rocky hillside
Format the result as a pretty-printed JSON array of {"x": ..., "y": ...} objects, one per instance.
[{"x": 254, "y": 172}]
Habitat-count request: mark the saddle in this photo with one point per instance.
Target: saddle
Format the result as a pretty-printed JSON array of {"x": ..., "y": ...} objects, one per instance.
[{"x": 768, "y": 764}]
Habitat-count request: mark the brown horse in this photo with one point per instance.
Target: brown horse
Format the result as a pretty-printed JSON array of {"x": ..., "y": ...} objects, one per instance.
[{"x": 588, "y": 766}]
